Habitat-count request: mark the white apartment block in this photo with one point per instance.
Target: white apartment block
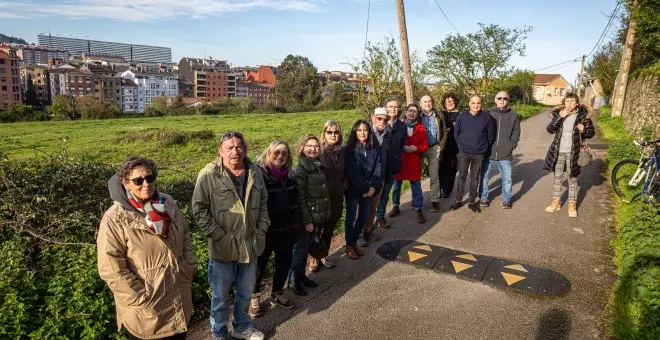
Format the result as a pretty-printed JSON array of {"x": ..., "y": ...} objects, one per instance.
[{"x": 153, "y": 85}]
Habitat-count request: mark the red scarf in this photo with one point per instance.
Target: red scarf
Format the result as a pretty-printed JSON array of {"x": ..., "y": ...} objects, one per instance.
[{"x": 158, "y": 220}]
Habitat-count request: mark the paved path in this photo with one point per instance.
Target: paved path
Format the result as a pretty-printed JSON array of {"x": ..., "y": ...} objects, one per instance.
[{"x": 376, "y": 299}]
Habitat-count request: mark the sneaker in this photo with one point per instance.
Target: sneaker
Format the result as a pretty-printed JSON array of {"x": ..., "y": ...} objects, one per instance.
[
  {"x": 298, "y": 289},
  {"x": 394, "y": 212},
  {"x": 484, "y": 202},
  {"x": 382, "y": 222},
  {"x": 350, "y": 252},
  {"x": 506, "y": 205},
  {"x": 326, "y": 262},
  {"x": 313, "y": 265},
  {"x": 572, "y": 209},
  {"x": 420, "y": 217},
  {"x": 307, "y": 282},
  {"x": 255, "y": 308},
  {"x": 435, "y": 206},
  {"x": 554, "y": 205},
  {"x": 278, "y": 299},
  {"x": 250, "y": 333},
  {"x": 474, "y": 207},
  {"x": 456, "y": 205}
]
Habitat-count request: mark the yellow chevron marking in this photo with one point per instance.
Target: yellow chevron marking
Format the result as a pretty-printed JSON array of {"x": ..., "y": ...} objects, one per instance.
[
  {"x": 424, "y": 247},
  {"x": 467, "y": 257},
  {"x": 516, "y": 267},
  {"x": 511, "y": 278},
  {"x": 415, "y": 256},
  {"x": 460, "y": 266}
]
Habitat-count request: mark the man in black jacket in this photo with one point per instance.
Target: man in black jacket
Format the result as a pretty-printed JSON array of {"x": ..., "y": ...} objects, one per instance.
[
  {"x": 508, "y": 135},
  {"x": 474, "y": 133}
]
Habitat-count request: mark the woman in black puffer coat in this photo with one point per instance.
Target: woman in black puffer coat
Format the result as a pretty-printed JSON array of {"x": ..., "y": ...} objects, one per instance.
[{"x": 571, "y": 123}]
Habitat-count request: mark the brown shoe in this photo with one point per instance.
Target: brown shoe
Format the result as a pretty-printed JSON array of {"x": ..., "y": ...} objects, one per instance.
[
  {"x": 555, "y": 205},
  {"x": 572, "y": 209},
  {"x": 420, "y": 217},
  {"x": 382, "y": 222},
  {"x": 313, "y": 264},
  {"x": 350, "y": 252},
  {"x": 358, "y": 250},
  {"x": 394, "y": 212}
]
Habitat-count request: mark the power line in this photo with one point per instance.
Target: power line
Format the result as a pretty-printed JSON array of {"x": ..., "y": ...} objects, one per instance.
[
  {"x": 445, "y": 15},
  {"x": 562, "y": 63},
  {"x": 366, "y": 34},
  {"x": 607, "y": 28}
]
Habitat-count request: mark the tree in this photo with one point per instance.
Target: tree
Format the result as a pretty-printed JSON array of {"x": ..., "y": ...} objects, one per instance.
[
  {"x": 517, "y": 83},
  {"x": 604, "y": 66},
  {"x": 30, "y": 93},
  {"x": 340, "y": 98},
  {"x": 383, "y": 73},
  {"x": 469, "y": 63},
  {"x": 92, "y": 107},
  {"x": 64, "y": 107},
  {"x": 647, "y": 34},
  {"x": 297, "y": 83}
]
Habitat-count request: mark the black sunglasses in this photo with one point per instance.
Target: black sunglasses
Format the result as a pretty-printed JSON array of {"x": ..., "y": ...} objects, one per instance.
[
  {"x": 283, "y": 153},
  {"x": 139, "y": 180},
  {"x": 229, "y": 135},
  {"x": 502, "y": 98},
  {"x": 381, "y": 119},
  {"x": 336, "y": 133}
]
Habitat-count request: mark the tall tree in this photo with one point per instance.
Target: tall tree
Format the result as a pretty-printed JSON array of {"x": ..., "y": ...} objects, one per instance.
[
  {"x": 647, "y": 34},
  {"x": 604, "y": 66},
  {"x": 469, "y": 63},
  {"x": 297, "y": 83},
  {"x": 64, "y": 107},
  {"x": 30, "y": 93}
]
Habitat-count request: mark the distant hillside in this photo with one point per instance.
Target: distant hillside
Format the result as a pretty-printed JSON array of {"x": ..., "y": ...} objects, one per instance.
[{"x": 11, "y": 40}]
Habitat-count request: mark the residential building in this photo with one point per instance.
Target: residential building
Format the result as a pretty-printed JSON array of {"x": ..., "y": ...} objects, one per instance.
[
  {"x": 213, "y": 79},
  {"x": 38, "y": 77},
  {"x": 549, "y": 89},
  {"x": 107, "y": 83},
  {"x": 130, "y": 52},
  {"x": 129, "y": 96},
  {"x": 10, "y": 85},
  {"x": 259, "y": 93},
  {"x": 264, "y": 74},
  {"x": 39, "y": 55},
  {"x": 67, "y": 79},
  {"x": 593, "y": 93},
  {"x": 151, "y": 85},
  {"x": 186, "y": 88}
]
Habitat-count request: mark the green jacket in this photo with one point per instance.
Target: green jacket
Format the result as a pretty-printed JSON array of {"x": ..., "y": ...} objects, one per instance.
[
  {"x": 236, "y": 231},
  {"x": 313, "y": 195}
]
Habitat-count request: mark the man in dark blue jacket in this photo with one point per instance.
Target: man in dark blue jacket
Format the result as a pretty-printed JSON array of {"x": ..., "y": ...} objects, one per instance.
[{"x": 474, "y": 133}]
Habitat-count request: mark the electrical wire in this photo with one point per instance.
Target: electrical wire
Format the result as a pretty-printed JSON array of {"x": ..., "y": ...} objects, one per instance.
[
  {"x": 366, "y": 34},
  {"x": 446, "y": 17}
]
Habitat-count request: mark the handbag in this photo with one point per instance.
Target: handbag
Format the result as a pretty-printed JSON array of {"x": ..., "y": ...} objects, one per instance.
[
  {"x": 317, "y": 247},
  {"x": 586, "y": 156}
]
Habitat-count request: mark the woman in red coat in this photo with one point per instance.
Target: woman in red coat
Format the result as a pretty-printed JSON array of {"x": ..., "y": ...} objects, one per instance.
[{"x": 411, "y": 169}]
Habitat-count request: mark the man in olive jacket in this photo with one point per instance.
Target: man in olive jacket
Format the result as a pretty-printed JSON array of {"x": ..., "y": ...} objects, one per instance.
[
  {"x": 230, "y": 203},
  {"x": 501, "y": 152}
]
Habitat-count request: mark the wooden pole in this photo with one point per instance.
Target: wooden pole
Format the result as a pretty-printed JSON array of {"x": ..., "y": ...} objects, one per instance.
[
  {"x": 403, "y": 34},
  {"x": 579, "y": 87},
  {"x": 624, "y": 68}
]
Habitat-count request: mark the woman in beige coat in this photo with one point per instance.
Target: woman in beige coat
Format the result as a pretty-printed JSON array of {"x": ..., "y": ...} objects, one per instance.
[{"x": 145, "y": 255}]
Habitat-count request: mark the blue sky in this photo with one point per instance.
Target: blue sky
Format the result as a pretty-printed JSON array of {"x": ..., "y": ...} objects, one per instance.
[{"x": 328, "y": 32}]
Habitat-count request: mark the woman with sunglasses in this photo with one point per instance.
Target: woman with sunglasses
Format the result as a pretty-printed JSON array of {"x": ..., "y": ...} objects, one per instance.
[
  {"x": 414, "y": 145},
  {"x": 285, "y": 221},
  {"x": 145, "y": 255},
  {"x": 364, "y": 177},
  {"x": 314, "y": 204},
  {"x": 332, "y": 162}
]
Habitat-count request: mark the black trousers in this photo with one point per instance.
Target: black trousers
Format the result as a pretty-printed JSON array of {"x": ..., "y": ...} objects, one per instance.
[
  {"x": 473, "y": 163},
  {"x": 180, "y": 336},
  {"x": 282, "y": 266},
  {"x": 447, "y": 171}
]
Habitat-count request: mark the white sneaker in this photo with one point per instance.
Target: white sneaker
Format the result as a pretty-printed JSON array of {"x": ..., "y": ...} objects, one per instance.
[{"x": 250, "y": 333}]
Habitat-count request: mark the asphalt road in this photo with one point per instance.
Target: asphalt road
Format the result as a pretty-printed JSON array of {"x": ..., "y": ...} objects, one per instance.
[{"x": 376, "y": 299}]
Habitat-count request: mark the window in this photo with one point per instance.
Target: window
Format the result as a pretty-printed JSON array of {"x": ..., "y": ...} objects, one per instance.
[
  {"x": 3, "y": 79},
  {"x": 3, "y": 70},
  {"x": 562, "y": 92},
  {"x": 556, "y": 91},
  {"x": 4, "y": 89},
  {"x": 2, "y": 61}
]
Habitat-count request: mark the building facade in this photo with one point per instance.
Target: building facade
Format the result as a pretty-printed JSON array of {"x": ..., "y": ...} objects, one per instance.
[
  {"x": 549, "y": 89},
  {"x": 39, "y": 55},
  {"x": 10, "y": 84},
  {"x": 130, "y": 52},
  {"x": 72, "y": 81},
  {"x": 129, "y": 96},
  {"x": 259, "y": 93},
  {"x": 37, "y": 77},
  {"x": 153, "y": 85},
  {"x": 212, "y": 79}
]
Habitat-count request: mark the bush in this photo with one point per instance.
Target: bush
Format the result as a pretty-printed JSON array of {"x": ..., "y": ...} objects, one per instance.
[
  {"x": 21, "y": 113},
  {"x": 167, "y": 136}
]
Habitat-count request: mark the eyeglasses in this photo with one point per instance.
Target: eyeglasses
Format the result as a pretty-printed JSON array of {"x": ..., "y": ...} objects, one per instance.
[
  {"x": 336, "y": 133},
  {"x": 139, "y": 180},
  {"x": 278, "y": 153},
  {"x": 313, "y": 146},
  {"x": 502, "y": 98},
  {"x": 229, "y": 135},
  {"x": 412, "y": 110},
  {"x": 381, "y": 119}
]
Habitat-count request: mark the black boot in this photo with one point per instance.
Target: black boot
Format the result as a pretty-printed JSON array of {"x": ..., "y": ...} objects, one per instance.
[
  {"x": 307, "y": 282},
  {"x": 298, "y": 289}
]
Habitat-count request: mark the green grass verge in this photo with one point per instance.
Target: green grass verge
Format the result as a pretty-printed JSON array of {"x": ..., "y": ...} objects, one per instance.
[
  {"x": 528, "y": 110},
  {"x": 635, "y": 298}
]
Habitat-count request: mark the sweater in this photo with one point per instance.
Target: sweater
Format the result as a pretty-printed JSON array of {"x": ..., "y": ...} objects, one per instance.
[{"x": 475, "y": 133}]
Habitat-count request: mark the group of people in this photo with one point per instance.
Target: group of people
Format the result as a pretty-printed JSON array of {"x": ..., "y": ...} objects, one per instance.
[{"x": 252, "y": 210}]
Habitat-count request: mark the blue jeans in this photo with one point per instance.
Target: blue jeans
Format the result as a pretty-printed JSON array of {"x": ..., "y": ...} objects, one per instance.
[
  {"x": 357, "y": 212},
  {"x": 504, "y": 166},
  {"x": 417, "y": 196},
  {"x": 385, "y": 195},
  {"x": 221, "y": 276},
  {"x": 299, "y": 256}
]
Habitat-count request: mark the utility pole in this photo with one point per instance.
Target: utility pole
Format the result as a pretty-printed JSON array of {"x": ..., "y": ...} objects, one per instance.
[
  {"x": 579, "y": 87},
  {"x": 403, "y": 35},
  {"x": 619, "y": 94}
]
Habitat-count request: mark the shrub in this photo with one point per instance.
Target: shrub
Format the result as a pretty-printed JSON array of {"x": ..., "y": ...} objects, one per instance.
[{"x": 167, "y": 136}]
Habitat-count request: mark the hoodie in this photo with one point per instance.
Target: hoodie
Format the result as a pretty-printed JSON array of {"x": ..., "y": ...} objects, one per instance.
[
  {"x": 507, "y": 134},
  {"x": 118, "y": 194}
]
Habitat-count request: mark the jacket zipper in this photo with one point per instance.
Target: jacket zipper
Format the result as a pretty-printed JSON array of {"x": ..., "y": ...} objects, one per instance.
[{"x": 499, "y": 128}]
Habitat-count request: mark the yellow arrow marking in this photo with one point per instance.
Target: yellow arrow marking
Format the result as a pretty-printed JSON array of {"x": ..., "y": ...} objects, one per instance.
[
  {"x": 467, "y": 257},
  {"x": 511, "y": 278},
  {"x": 415, "y": 256},
  {"x": 424, "y": 247},
  {"x": 516, "y": 267},
  {"x": 460, "y": 266}
]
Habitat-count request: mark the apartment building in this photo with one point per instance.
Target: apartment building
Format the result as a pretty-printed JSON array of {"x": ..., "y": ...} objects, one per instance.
[
  {"x": 38, "y": 77},
  {"x": 10, "y": 85},
  {"x": 67, "y": 79},
  {"x": 39, "y": 55},
  {"x": 151, "y": 85},
  {"x": 213, "y": 79},
  {"x": 107, "y": 83},
  {"x": 259, "y": 93},
  {"x": 129, "y": 96}
]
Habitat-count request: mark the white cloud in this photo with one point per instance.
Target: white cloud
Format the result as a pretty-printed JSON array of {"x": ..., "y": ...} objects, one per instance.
[{"x": 149, "y": 10}]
